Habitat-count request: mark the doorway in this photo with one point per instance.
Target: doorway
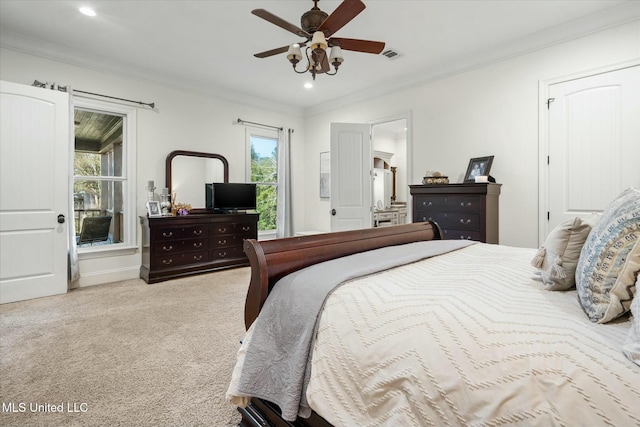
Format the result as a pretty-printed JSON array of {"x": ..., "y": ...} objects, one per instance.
[
  {"x": 390, "y": 187},
  {"x": 352, "y": 172}
]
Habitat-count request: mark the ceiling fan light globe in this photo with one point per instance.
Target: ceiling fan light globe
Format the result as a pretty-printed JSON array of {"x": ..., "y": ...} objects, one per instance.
[
  {"x": 336, "y": 55},
  {"x": 318, "y": 41},
  {"x": 294, "y": 54}
]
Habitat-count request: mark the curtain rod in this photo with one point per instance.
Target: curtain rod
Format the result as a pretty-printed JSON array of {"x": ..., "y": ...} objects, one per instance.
[
  {"x": 64, "y": 89},
  {"x": 243, "y": 122}
]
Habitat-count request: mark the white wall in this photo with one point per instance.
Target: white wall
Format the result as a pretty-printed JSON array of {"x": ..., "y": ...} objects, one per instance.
[
  {"x": 492, "y": 110},
  {"x": 183, "y": 121}
]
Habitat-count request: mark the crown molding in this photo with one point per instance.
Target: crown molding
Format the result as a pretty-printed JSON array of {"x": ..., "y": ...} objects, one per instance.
[
  {"x": 593, "y": 23},
  {"x": 602, "y": 20},
  {"x": 70, "y": 56}
]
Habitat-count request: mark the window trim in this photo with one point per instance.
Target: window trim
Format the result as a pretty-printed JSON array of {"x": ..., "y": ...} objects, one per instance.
[{"x": 129, "y": 132}]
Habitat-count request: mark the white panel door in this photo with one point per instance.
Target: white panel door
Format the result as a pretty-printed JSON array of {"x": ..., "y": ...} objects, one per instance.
[
  {"x": 34, "y": 159},
  {"x": 351, "y": 185},
  {"x": 594, "y": 142}
]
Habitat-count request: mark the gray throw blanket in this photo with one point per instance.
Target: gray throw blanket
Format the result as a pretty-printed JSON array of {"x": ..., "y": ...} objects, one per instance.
[{"x": 277, "y": 364}]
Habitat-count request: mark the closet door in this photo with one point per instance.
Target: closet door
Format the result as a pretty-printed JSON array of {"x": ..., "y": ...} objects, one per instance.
[
  {"x": 594, "y": 129},
  {"x": 34, "y": 191}
]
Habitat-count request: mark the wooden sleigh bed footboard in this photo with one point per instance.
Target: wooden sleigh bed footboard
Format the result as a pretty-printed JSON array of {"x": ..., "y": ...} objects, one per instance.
[{"x": 273, "y": 259}]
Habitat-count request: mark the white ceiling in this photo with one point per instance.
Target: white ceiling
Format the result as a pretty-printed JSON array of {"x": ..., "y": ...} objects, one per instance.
[{"x": 208, "y": 46}]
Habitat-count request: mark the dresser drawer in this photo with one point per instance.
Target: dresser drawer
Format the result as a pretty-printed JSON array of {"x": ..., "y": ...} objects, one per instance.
[
  {"x": 185, "y": 245},
  {"x": 454, "y": 234},
  {"x": 242, "y": 228},
  {"x": 226, "y": 240},
  {"x": 386, "y": 216},
  {"x": 246, "y": 230},
  {"x": 449, "y": 203},
  {"x": 178, "y": 259},
  {"x": 229, "y": 252},
  {"x": 177, "y": 233},
  {"x": 466, "y": 221}
]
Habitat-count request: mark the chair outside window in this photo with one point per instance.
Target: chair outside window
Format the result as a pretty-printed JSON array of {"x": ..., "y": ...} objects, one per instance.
[{"x": 94, "y": 229}]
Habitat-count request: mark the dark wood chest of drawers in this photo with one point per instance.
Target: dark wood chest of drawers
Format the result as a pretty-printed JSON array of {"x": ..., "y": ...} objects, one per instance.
[
  {"x": 463, "y": 211},
  {"x": 178, "y": 246}
]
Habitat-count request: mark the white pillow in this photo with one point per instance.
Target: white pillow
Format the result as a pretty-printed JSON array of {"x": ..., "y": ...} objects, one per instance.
[{"x": 558, "y": 257}]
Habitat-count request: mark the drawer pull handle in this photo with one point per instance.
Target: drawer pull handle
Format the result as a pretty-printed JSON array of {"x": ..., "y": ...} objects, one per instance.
[
  {"x": 465, "y": 238},
  {"x": 197, "y": 244},
  {"x": 197, "y": 257},
  {"x": 246, "y": 228},
  {"x": 167, "y": 249},
  {"x": 222, "y": 229},
  {"x": 165, "y": 234},
  {"x": 197, "y": 232},
  {"x": 427, "y": 204},
  {"x": 465, "y": 205},
  {"x": 222, "y": 242},
  {"x": 222, "y": 254},
  {"x": 465, "y": 221},
  {"x": 167, "y": 262}
]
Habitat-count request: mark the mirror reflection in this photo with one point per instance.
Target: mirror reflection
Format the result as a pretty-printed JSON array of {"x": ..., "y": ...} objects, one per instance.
[{"x": 188, "y": 172}]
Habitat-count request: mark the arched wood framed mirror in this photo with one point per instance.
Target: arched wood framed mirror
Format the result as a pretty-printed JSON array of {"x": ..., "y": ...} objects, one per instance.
[{"x": 187, "y": 172}]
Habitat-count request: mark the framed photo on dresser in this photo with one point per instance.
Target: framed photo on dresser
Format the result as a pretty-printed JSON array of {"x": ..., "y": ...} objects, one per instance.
[
  {"x": 153, "y": 208},
  {"x": 478, "y": 166}
]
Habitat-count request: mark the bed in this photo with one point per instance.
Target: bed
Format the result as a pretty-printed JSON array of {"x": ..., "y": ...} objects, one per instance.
[{"x": 412, "y": 330}]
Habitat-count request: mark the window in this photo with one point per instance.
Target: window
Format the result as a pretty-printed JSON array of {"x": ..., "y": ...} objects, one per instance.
[
  {"x": 263, "y": 170},
  {"x": 103, "y": 190}
]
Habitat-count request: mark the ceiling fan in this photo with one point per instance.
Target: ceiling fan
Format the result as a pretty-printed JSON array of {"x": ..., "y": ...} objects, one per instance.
[{"x": 318, "y": 28}]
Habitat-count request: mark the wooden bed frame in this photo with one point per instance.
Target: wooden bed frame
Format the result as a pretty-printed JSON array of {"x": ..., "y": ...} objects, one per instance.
[{"x": 273, "y": 259}]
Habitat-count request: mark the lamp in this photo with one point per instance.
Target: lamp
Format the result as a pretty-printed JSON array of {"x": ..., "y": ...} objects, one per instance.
[
  {"x": 318, "y": 42},
  {"x": 294, "y": 55},
  {"x": 316, "y": 54}
]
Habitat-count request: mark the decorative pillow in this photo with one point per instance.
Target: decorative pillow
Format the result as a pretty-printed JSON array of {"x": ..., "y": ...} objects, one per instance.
[
  {"x": 610, "y": 260},
  {"x": 631, "y": 346},
  {"x": 558, "y": 257}
]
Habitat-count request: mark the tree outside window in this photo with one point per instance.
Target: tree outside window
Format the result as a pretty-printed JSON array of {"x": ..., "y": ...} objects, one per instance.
[{"x": 264, "y": 173}]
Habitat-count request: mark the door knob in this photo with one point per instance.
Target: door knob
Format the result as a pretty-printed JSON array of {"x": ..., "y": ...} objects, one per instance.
[
  {"x": 60, "y": 219},
  {"x": 333, "y": 212}
]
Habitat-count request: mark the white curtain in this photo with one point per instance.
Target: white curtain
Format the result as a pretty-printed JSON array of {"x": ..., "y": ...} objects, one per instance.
[
  {"x": 284, "y": 223},
  {"x": 74, "y": 269}
]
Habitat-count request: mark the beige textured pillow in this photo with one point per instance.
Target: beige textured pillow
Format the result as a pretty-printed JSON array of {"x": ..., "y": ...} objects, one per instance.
[
  {"x": 558, "y": 257},
  {"x": 631, "y": 346}
]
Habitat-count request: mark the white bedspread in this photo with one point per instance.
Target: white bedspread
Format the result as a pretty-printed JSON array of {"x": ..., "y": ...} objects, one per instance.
[{"x": 468, "y": 339}]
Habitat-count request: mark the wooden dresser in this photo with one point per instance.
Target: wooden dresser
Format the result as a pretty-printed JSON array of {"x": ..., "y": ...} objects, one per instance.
[
  {"x": 177, "y": 246},
  {"x": 463, "y": 211}
]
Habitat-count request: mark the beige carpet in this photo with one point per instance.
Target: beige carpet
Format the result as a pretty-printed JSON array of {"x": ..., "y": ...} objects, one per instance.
[{"x": 124, "y": 354}]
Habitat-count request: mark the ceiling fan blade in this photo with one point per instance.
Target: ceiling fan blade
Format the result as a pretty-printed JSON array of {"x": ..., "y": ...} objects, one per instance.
[
  {"x": 268, "y": 16},
  {"x": 271, "y": 52},
  {"x": 366, "y": 46},
  {"x": 344, "y": 13}
]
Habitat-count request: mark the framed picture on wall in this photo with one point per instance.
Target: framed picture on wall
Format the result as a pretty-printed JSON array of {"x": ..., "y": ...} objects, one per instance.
[
  {"x": 153, "y": 208},
  {"x": 325, "y": 175},
  {"x": 478, "y": 166}
]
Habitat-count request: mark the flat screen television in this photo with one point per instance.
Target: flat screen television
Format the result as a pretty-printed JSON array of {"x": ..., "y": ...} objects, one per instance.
[{"x": 230, "y": 197}]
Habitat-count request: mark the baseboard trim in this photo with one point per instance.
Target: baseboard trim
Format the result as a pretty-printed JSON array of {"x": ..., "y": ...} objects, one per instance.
[{"x": 107, "y": 276}]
